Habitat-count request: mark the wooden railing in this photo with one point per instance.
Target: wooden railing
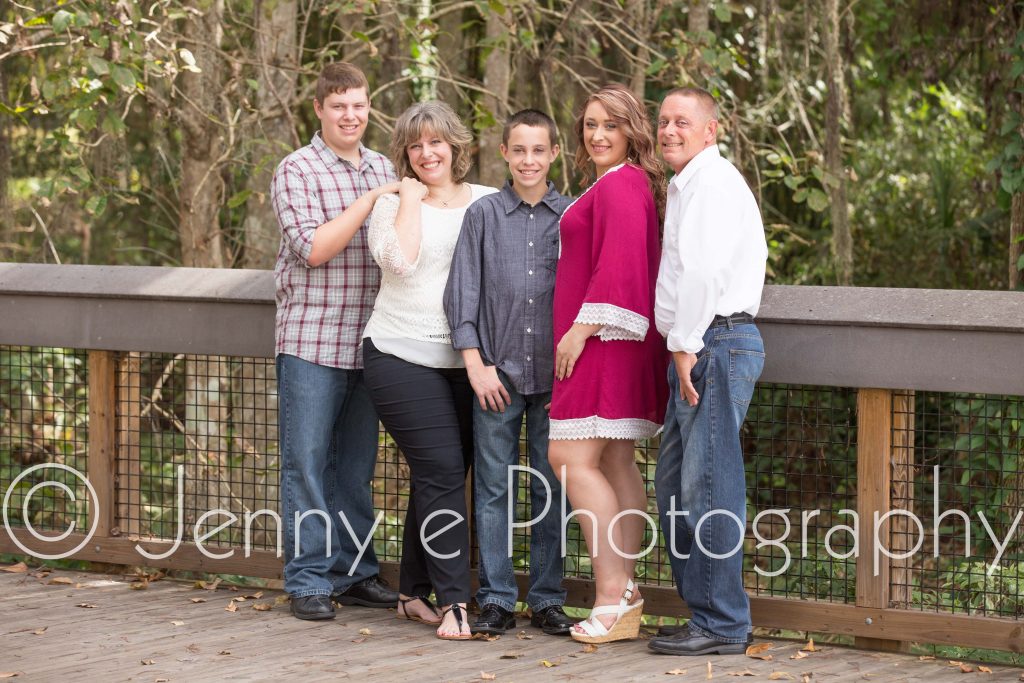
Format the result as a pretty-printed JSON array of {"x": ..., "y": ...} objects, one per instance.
[{"x": 884, "y": 343}]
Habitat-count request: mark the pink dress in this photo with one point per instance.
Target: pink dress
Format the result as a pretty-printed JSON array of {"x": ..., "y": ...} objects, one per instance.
[{"x": 606, "y": 274}]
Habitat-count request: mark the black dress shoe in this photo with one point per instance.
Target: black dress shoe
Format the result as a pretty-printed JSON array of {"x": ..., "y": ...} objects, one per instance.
[
  {"x": 493, "y": 620},
  {"x": 668, "y": 631},
  {"x": 313, "y": 607},
  {"x": 552, "y": 620},
  {"x": 687, "y": 643},
  {"x": 371, "y": 592}
]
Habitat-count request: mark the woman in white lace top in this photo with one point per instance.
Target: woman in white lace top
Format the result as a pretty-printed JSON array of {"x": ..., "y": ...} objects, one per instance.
[{"x": 416, "y": 379}]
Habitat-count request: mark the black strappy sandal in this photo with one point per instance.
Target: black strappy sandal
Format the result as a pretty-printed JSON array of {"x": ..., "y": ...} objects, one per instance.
[
  {"x": 403, "y": 613},
  {"x": 458, "y": 610}
]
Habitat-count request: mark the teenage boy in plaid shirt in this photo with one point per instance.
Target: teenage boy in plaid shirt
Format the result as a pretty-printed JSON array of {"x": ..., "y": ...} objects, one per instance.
[{"x": 326, "y": 284}]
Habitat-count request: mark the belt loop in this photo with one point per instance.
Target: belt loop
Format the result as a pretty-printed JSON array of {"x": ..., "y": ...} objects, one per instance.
[{"x": 729, "y": 322}]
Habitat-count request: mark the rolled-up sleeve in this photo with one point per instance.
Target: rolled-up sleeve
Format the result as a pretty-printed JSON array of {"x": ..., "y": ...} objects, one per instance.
[
  {"x": 383, "y": 240},
  {"x": 462, "y": 292},
  {"x": 299, "y": 211}
]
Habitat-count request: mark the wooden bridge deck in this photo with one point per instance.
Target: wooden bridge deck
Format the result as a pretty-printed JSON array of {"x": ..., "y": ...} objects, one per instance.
[{"x": 61, "y": 625}]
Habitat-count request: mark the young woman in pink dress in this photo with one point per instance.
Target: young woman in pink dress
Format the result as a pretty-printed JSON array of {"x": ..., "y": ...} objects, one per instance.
[{"x": 610, "y": 385}]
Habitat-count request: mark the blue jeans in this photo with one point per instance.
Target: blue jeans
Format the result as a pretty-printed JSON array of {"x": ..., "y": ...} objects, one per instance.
[
  {"x": 700, "y": 472},
  {"x": 328, "y": 432},
  {"x": 497, "y": 448}
]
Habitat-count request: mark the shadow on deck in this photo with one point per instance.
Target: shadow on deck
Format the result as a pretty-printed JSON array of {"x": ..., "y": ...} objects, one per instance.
[{"x": 57, "y": 625}]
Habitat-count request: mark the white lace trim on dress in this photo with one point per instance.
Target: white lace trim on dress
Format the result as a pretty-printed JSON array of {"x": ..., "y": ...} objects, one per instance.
[
  {"x": 619, "y": 323},
  {"x": 597, "y": 427}
]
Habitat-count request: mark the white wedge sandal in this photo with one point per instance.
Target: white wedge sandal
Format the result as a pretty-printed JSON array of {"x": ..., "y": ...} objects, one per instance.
[{"x": 625, "y": 627}]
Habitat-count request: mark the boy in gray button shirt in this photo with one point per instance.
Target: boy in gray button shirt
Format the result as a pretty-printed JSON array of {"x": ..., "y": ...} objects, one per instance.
[{"x": 498, "y": 303}]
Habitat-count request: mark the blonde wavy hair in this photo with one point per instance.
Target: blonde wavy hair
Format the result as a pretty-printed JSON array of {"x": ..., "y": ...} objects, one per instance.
[
  {"x": 627, "y": 111},
  {"x": 441, "y": 120}
]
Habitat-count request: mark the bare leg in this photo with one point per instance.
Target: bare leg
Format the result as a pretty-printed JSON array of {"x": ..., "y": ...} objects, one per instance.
[
  {"x": 618, "y": 464},
  {"x": 589, "y": 491},
  {"x": 417, "y": 608}
]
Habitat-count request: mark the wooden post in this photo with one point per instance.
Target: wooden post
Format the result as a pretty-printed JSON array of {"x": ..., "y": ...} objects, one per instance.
[
  {"x": 874, "y": 480},
  {"x": 129, "y": 465},
  {"x": 102, "y": 461}
]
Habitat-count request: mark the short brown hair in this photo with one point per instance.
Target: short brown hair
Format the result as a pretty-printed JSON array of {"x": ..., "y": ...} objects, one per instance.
[
  {"x": 338, "y": 77},
  {"x": 530, "y": 117},
  {"x": 706, "y": 99},
  {"x": 440, "y": 119}
]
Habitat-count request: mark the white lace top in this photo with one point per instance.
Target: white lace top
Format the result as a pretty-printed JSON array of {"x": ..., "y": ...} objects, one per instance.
[{"x": 408, "y": 317}]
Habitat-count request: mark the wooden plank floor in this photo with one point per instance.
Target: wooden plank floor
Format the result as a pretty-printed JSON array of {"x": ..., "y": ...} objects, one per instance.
[{"x": 93, "y": 627}]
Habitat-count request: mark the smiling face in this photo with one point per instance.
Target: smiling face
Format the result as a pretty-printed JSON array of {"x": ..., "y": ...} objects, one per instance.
[
  {"x": 685, "y": 129},
  {"x": 603, "y": 138},
  {"x": 430, "y": 157},
  {"x": 343, "y": 117},
  {"x": 529, "y": 155}
]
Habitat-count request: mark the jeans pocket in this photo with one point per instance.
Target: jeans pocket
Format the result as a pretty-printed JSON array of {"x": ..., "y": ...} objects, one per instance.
[
  {"x": 700, "y": 368},
  {"x": 745, "y": 367}
]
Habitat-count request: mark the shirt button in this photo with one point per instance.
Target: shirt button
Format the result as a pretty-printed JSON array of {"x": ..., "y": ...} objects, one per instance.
[
  {"x": 529, "y": 329},
  {"x": 529, "y": 358},
  {"x": 531, "y": 301},
  {"x": 531, "y": 272},
  {"x": 531, "y": 244},
  {"x": 531, "y": 216}
]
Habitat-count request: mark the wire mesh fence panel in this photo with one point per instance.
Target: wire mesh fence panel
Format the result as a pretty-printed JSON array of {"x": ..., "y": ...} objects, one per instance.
[
  {"x": 962, "y": 487},
  {"x": 800, "y": 451},
  {"x": 44, "y": 416}
]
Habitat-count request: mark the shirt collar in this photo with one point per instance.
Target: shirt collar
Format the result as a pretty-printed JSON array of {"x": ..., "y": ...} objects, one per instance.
[
  {"x": 699, "y": 161},
  {"x": 511, "y": 200},
  {"x": 330, "y": 157}
]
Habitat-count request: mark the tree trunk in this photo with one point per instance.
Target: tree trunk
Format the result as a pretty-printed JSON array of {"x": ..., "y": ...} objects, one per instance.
[
  {"x": 1016, "y": 237},
  {"x": 698, "y": 21},
  {"x": 6, "y": 212},
  {"x": 842, "y": 241},
  {"x": 274, "y": 136},
  {"x": 200, "y": 190},
  {"x": 497, "y": 72}
]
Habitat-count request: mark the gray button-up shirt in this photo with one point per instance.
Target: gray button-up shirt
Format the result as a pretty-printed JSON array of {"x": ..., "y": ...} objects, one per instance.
[{"x": 501, "y": 285}]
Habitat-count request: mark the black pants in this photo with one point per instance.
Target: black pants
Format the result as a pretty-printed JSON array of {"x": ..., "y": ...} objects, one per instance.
[{"x": 429, "y": 414}]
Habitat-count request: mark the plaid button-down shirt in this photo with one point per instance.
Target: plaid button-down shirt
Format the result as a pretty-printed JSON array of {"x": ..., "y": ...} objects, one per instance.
[{"x": 321, "y": 312}]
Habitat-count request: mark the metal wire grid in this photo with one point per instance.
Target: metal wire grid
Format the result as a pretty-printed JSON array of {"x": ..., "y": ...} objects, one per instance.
[
  {"x": 203, "y": 428},
  {"x": 44, "y": 421},
  {"x": 800, "y": 453},
  {"x": 977, "y": 444}
]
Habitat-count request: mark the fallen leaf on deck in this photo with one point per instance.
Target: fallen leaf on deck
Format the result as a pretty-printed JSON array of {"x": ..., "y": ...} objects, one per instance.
[
  {"x": 197, "y": 600},
  {"x": 177, "y": 622},
  {"x": 781, "y": 676},
  {"x": 984, "y": 670},
  {"x": 926, "y": 658},
  {"x": 193, "y": 648},
  {"x": 799, "y": 655},
  {"x": 964, "y": 668},
  {"x": 162, "y": 680},
  {"x": 239, "y": 598},
  {"x": 139, "y": 585},
  {"x": 710, "y": 675},
  {"x": 232, "y": 607},
  {"x": 262, "y": 606},
  {"x": 809, "y": 647},
  {"x": 282, "y": 599},
  {"x": 746, "y": 672},
  {"x": 523, "y": 635},
  {"x": 208, "y": 585},
  {"x": 9, "y": 674},
  {"x": 485, "y": 636},
  {"x": 512, "y": 654},
  {"x": 60, "y": 580},
  {"x": 42, "y": 574},
  {"x": 255, "y": 596},
  {"x": 85, "y": 605},
  {"x": 17, "y": 568},
  {"x": 589, "y": 648},
  {"x": 755, "y": 650},
  {"x": 806, "y": 678},
  {"x": 148, "y": 662},
  {"x": 484, "y": 676},
  {"x": 676, "y": 672},
  {"x": 954, "y": 663},
  {"x": 548, "y": 664},
  {"x": 224, "y": 652},
  {"x": 359, "y": 640},
  {"x": 40, "y": 631},
  {"x": 365, "y": 632}
]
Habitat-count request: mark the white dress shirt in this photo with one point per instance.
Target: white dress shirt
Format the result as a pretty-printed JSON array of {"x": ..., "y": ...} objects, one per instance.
[{"x": 713, "y": 261}]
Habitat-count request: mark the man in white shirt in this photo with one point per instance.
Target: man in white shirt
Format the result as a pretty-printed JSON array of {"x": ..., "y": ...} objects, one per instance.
[{"x": 708, "y": 292}]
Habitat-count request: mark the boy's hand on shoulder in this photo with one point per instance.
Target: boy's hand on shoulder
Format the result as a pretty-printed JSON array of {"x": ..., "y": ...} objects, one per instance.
[
  {"x": 412, "y": 189},
  {"x": 488, "y": 387},
  {"x": 389, "y": 188}
]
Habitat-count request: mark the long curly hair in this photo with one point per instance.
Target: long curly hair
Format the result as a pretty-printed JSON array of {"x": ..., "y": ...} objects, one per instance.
[{"x": 629, "y": 113}]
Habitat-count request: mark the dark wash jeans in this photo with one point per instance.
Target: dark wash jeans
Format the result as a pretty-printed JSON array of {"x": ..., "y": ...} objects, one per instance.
[
  {"x": 700, "y": 471},
  {"x": 497, "y": 448},
  {"x": 328, "y": 433}
]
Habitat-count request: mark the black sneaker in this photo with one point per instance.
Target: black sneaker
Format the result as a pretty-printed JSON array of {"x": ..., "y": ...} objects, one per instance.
[
  {"x": 371, "y": 592},
  {"x": 313, "y": 607},
  {"x": 494, "y": 620},
  {"x": 688, "y": 643},
  {"x": 552, "y": 620}
]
